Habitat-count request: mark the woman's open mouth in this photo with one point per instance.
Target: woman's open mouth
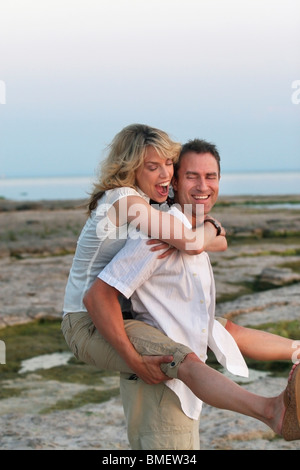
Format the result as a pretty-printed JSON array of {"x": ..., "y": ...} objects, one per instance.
[{"x": 163, "y": 189}]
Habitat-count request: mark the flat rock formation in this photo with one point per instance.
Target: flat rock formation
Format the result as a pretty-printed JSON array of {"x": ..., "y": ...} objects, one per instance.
[{"x": 257, "y": 282}]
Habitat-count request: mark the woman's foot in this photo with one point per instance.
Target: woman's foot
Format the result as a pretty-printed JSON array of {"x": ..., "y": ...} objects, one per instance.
[{"x": 290, "y": 429}]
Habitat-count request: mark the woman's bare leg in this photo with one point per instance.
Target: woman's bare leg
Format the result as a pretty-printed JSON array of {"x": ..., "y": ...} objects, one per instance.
[
  {"x": 261, "y": 345},
  {"x": 216, "y": 390}
]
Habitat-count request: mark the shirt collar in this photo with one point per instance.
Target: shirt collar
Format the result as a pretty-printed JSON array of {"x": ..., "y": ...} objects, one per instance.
[{"x": 144, "y": 196}]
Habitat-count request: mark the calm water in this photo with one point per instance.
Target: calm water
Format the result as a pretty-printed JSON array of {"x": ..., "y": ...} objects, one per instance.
[{"x": 33, "y": 189}]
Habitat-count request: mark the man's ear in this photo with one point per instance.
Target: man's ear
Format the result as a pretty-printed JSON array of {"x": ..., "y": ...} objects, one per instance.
[{"x": 174, "y": 183}]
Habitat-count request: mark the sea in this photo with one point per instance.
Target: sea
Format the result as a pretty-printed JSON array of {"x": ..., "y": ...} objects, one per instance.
[{"x": 79, "y": 187}]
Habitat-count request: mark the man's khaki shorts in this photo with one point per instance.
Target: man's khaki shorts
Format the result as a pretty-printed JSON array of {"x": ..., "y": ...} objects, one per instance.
[
  {"x": 153, "y": 413},
  {"x": 154, "y": 417}
]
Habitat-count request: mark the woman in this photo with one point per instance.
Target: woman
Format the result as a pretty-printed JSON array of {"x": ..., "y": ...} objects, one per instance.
[{"x": 139, "y": 166}]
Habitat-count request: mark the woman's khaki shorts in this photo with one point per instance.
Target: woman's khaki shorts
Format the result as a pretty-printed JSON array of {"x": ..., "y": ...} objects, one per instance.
[{"x": 89, "y": 346}]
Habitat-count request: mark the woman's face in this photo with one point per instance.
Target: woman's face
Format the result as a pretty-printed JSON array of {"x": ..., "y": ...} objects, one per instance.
[{"x": 154, "y": 176}]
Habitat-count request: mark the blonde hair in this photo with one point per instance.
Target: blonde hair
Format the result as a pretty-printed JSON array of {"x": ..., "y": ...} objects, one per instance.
[{"x": 126, "y": 154}]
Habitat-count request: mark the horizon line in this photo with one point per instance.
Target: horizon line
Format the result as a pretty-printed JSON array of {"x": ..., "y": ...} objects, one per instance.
[{"x": 4, "y": 177}]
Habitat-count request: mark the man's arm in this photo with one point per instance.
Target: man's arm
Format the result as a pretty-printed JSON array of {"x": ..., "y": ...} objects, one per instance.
[{"x": 102, "y": 304}]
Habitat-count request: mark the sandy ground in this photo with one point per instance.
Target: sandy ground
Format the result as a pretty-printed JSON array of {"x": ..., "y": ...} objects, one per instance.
[{"x": 36, "y": 250}]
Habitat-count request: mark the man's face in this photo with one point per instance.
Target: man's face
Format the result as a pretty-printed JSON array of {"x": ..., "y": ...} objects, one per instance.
[{"x": 197, "y": 181}]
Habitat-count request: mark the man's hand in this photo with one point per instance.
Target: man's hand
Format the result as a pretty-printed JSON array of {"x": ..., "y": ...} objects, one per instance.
[{"x": 149, "y": 369}]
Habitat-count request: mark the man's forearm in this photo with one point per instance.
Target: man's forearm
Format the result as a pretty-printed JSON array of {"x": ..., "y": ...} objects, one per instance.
[{"x": 102, "y": 304}]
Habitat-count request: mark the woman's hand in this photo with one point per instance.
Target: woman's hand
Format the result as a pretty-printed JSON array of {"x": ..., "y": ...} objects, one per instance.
[
  {"x": 223, "y": 231},
  {"x": 214, "y": 243},
  {"x": 158, "y": 245}
]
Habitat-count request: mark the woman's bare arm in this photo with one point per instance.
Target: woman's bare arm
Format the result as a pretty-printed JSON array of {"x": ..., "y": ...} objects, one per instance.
[{"x": 163, "y": 226}]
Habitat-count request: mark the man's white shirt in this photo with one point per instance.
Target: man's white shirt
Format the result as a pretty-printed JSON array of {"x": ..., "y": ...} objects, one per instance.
[{"x": 175, "y": 294}]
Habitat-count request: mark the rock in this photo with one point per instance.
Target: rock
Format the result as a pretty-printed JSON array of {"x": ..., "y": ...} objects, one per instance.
[
  {"x": 270, "y": 306},
  {"x": 277, "y": 277}
]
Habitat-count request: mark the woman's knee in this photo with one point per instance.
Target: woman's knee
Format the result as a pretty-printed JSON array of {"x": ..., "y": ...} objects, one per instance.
[
  {"x": 186, "y": 369},
  {"x": 191, "y": 358}
]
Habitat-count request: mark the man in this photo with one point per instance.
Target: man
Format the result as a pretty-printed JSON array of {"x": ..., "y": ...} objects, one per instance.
[{"x": 177, "y": 295}]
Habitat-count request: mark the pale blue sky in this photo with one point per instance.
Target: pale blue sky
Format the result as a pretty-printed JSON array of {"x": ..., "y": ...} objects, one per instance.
[{"x": 77, "y": 71}]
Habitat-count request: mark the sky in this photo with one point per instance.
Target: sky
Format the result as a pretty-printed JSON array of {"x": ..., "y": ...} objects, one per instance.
[{"x": 73, "y": 73}]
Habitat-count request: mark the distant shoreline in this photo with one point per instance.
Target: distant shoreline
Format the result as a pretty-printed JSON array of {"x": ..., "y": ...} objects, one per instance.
[
  {"x": 72, "y": 188},
  {"x": 91, "y": 177},
  {"x": 7, "y": 205}
]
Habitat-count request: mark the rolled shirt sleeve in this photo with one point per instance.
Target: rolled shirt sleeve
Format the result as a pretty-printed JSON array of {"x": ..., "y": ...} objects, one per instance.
[{"x": 131, "y": 267}]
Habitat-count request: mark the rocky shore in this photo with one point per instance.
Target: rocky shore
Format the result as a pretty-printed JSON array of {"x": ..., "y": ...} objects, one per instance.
[{"x": 257, "y": 282}]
